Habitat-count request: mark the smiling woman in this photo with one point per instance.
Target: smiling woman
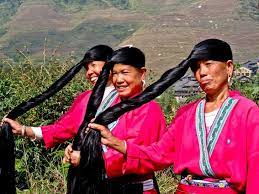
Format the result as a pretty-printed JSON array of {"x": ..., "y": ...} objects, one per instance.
[
  {"x": 142, "y": 126},
  {"x": 93, "y": 70},
  {"x": 66, "y": 127},
  {"x": 128, "y": 80},
  {"x": 213, "y": 142}
]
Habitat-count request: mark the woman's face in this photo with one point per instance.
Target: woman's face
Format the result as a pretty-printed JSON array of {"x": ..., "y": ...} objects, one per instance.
[
  {"x": 93, "y": 70},
  {"x": 213, "y": 75},
  {"x": 127, "y": 80}
]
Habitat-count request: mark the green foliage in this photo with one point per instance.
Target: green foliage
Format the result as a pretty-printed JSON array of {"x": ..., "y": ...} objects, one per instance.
[
  {"x": 169, "y": 104},
  {"x": 7, "y": 10},
  {"x": 117, "y": 31},
  {"x": 2, "y": 31},
  {"x": 248, "y": 89},
  {"x": 77, "y": 4},
  {"x": 251, "y": 8},
  {"x": 38, "y": 168},
  {"x": 167, "y": 180},
  {"x": 122, "y": 4}
]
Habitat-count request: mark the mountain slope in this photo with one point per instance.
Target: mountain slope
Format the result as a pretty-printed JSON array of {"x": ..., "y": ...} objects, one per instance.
[{"x": 165, "y": 29}]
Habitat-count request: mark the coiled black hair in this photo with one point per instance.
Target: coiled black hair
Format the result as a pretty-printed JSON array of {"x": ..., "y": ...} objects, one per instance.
[
  {"x": 89, "y": 177},
  {"x": 7, "y": 160}
]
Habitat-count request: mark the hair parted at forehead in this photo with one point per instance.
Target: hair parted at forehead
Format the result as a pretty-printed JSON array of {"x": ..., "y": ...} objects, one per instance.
[
  {"x": 98, "y": 53},
  {"x": 89, "y": 177},
  {"x": 128, "y": 56},
  {"x": 211, "y": 49}
]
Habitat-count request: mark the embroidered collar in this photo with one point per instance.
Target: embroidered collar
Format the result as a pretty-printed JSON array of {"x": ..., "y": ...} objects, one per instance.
[
  {"x": 106, "y": 103},
  {"x": 207, "y": 145}
]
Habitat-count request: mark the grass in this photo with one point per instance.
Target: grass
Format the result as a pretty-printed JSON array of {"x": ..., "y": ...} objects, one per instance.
[{"x": 40, "y": 170}]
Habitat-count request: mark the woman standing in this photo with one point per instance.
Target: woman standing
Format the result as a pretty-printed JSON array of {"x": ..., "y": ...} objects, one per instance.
[
  {"x": 212, "y": 142},
  {"x": 142, "y": 126},
  {"x": 67, "y": 125}
]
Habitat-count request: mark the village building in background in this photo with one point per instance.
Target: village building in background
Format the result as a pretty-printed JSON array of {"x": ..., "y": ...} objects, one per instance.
[{"x": 188, "y": 86}]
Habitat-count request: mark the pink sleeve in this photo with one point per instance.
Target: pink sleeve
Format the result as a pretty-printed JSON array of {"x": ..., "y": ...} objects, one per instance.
[
  {"x": 67, "y": 125},
  {"x": 142, "y": 126},
  {"x": 253, "y": 151},
  {"x": 145, "y": 159}
]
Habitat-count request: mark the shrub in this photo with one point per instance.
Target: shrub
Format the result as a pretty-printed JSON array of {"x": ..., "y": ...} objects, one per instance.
[{"x": 37, "y": 168}]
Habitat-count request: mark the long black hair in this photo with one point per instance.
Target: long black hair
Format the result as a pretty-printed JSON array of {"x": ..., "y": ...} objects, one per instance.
[
  {"x": 7, "y": 160},
  {"x": 89, "y": 177}
]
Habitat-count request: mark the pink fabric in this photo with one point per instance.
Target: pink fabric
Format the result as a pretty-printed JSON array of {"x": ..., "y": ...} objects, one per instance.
[
  {"x": 236, "y": 154},
  {"x": 66, "y": 126},
  {"x": 142, "y": 126}
]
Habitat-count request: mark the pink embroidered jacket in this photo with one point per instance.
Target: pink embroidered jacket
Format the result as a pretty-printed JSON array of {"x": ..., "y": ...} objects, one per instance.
[
  {"x": 234, "y": 156},
  {"x": 66, "y": 126},
  {"x": 142, "y": 126}
]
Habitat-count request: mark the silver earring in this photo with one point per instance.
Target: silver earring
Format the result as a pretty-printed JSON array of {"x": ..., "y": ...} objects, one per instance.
[
  {"x": 229, "y": 80},
  {"x": 143, "y": 83}
]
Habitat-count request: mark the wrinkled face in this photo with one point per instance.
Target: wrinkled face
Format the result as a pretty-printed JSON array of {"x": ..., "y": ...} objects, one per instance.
[
  {"x": 93, "y": 70},
  {"x": 212, "y": 75},
  {"x": 127, "y": 80}
]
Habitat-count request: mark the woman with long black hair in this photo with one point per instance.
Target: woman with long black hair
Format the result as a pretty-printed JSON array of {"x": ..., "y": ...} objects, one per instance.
[
  {"x": 93, "y": 61},
  {"x": 90, "y": 175},
  {"x": 213, "y": 142},
  {"x": 142, "y": 126},
  {"x": 67, "y": 125}
]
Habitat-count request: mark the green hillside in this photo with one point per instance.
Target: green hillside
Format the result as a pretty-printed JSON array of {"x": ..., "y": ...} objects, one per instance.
[
  {"x": 251, "y": 8},
  {"x": 7, "y": 10},
  {"x": 72, "y": 33},
  {"x": 165, "y": 29}
]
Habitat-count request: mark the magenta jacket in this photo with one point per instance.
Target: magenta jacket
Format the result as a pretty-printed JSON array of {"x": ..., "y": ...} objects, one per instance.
[
  {"x": 142, "y": 126},
  {"x": 229, "y": 152}
]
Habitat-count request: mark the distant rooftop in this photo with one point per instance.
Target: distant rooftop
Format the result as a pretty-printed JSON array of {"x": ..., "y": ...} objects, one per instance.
[
  {"x": 252, "y": 65},
  {"x": 186, "y": 86}
]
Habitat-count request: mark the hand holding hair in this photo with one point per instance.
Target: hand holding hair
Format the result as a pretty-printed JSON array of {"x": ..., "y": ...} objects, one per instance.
[
  {"x": 108, "y": 139},
  {"x": 89, "y": 177},
  {"x": 7, "y": 145}
]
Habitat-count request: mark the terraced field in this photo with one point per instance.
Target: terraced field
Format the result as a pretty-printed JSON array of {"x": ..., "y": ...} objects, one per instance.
[{"x": 165, "y": 29}]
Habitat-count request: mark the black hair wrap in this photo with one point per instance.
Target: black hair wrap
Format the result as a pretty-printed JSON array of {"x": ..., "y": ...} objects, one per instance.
[{"x": 90, "y": 177}]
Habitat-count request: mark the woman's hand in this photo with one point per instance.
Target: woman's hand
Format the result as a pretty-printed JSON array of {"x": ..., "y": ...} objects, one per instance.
[
  {"x": 16, "y": 127},
  {"x": 108, "y": 139},
  {"x": 71, "y": 156},
  {"x": 19, "y": 129}
]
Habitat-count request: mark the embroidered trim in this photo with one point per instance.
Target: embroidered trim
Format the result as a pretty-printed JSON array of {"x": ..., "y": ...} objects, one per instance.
[
  {"x": 206, "y": 150},
  {"x": 106, "y": 102},
  {"x": 200, "y": 183},
  {"x": 219, "y": 123},
  {"x": 201, "y": 134},
  {"x": 104, "y": 105}
]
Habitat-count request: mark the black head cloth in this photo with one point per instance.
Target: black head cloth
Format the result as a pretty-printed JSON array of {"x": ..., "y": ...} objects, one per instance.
[
  {"x": 211, "y": 49},
  {"x": 128, "y": 56}
]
